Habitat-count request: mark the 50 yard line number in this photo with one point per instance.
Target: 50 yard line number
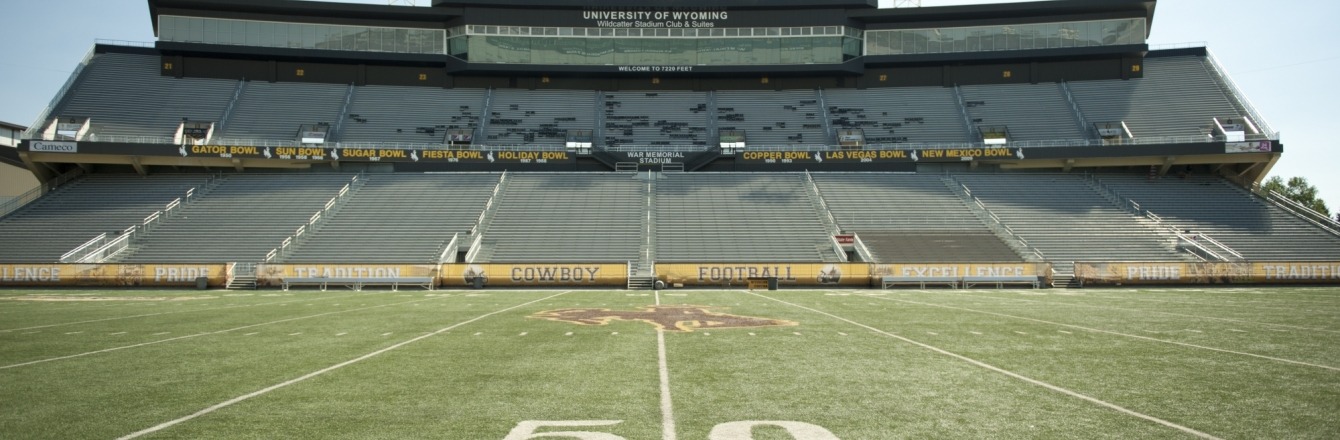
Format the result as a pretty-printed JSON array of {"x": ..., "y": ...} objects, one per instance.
[{"x": 725, "y": 431}]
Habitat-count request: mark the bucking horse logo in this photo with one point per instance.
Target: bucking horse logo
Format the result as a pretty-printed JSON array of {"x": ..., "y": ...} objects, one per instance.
[{"x": 677, "y": 318}]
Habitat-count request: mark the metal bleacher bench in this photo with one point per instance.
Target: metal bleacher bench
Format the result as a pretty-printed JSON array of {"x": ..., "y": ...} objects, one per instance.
[
  {"x": 890, "y": 281},
  {"x": 1001, "y": 281},
  {"x": 965, "y": 282},
  {"x": 358, "y": 283}
]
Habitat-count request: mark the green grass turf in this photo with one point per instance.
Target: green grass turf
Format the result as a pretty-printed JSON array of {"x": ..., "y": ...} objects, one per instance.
[{"x": 1232, "y": 363}]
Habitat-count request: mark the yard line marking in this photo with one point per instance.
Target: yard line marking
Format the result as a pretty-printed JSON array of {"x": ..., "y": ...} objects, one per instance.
[
  {"x": 124, "y": 347},
  {"x": 668, "y": 431},
  {"x": 263, "y": 391},
  {"x": 933, "y": 333},
  {"x": 796, "y": 333},
  {"x": 1012, "y": 374},
  {"x": 567, "y": 334},
  {"x": 1080, "y": 327},
  {"x": 341, "y": 334},
  {"x": 1156, "y": 311},
  {"x": 1019, "y": 332},
  {"x": 614, "y": 333},
  {"x": 751, "y": 333},
  {"x": 137, "y": 316},
  {"x": 1236, "y": 330},
  {"x": 73, "y": 333},
  {"x": 842, "y": 334},
  {"x": 478, "y": 333}
]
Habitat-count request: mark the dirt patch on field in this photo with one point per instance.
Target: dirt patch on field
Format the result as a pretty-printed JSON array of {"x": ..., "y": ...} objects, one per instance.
[{"x": 64, "y": 298}]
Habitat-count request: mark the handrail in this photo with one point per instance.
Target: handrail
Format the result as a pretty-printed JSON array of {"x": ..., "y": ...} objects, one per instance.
[
  {"x": 1237, "y": 94},
  {"x": 1194, "y": 240},
  {"x": 451, "y": 248},
  {"x": 31, "y": 195},
  {"x": 40, "y": 124},
  {"x": 996, "y": 225},
  {"x": 1307, "y": 213},
  {"x": 474, "y": 248},
  {"x": 76, "y": 254}
]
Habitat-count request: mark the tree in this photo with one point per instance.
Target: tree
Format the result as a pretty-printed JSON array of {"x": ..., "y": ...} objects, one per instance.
[{"x": 1298, "y": 190}]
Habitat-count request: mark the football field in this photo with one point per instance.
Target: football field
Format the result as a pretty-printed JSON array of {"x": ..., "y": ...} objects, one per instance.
[{"x": 1232, "y": 363}]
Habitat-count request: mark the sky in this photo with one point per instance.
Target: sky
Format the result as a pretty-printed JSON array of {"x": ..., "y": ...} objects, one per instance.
[{"x": 1282, "y": 55}]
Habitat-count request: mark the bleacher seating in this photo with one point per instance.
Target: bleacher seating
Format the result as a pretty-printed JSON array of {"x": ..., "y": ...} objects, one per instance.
[
  {"x": 73, "y": 214},
  {"x": 656, "y": 118},
  {"x": 416, "y": 115},
  {"x": 909, "y": 218},
  {"x": 1212, "y": 206},
  {"x": 710, "y": 217},
  {"x": 1177, "y": 97},
  {"x": 539, "y": 117},
  {"x": 398, "y": 218},
  {"x": 274, "y": 111},
  {"x": 580, "y": 217},
  {"x": 787, "y": 117},
  {"x": 1033, "y": 112},
  {"x": 899, "y": 114},
  {"x": 1066, "y": 219},
  {"x": 125, "y": 95},
  {"x": 241, "y": 219}
]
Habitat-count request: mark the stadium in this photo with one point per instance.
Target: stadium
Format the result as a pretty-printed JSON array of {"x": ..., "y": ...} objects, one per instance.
[{"x": 834, "y": 180}]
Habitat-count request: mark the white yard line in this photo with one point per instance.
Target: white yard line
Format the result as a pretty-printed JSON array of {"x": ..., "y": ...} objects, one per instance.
[
  {"x": 124, "y": 347},
  {"x": 1011, "y": 374},
  {"x": 1159, "y": 312},
  {"x": 148, "y": 315},
  {"x": 266, "y": 390},
  {"x": 668, "y": 431},
  {"x": 1165, "y": 341}
]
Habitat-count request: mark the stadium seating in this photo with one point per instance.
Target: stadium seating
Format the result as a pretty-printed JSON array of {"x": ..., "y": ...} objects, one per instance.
[
  {"x": 1212, "y": 206},
  {"x": 909, "y": 218},
  {"x": 1177, "y": 97},
  {"x": 58, "y": 222},
  {"x": 125, "y": 95},
  {"x": 899, "y": 115},
  {"x": 397, "y": 218},
  {"x": 711, "y": 217},
  {"x": 1032, "y": 112},
  {"x": 274, "y": 111},
  {"x": 554, "y": 217},
  {"x": 656, "y": 118},
  {"x": 539, "y": 117},
  {"x": 787, "y": 117},
  {"x": 240, "y": 219},
  {"x": 1067, "y": 220},
  {"x": 411, "y": 115}
]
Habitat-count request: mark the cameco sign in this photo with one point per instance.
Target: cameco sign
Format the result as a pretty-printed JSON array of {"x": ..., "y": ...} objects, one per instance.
[{"x": 54, "y": 147}]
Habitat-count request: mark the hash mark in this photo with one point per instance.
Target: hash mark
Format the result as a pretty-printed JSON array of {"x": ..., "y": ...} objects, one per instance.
[
  {"x": 975, "y": 333},
  {"x": 295, "y": 334},
  {"x": 933, "y": 333},
  {"x": 1066, "y": 332},
  {"x": 117, "y": 333},
  {"x": 341, "y": 334},
  {"x": 523, "y": 333},
  {"x": 567, "y": 334},
  {"x": 250, "y": 334},
  {"x": 387, "y": 333}
]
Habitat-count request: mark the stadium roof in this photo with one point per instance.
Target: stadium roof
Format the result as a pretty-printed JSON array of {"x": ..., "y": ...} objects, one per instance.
[{"x": 4, "y": 124}]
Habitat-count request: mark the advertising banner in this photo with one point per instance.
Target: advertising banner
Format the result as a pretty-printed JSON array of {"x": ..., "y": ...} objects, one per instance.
[
  {"x": 880, "y": 156},
  {"x": 111, "y": 275},
  {"x": 1310, "y": 272},
  {"x": 273, "y": 275},
  {"x": 794, "y": 274},
  {"x": 535, "y": 275},
  {"x": 962, "y": 270}
]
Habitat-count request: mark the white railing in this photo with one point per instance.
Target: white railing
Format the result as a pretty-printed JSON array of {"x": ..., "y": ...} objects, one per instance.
[
  {"x": 998, "y": 226},
  {"x": 288, "y": 243},
  {"x": 861, "y": 249},
  {"x": 1239, "y": 96},
  {"x": 41, "y": 123},
  {"x": 475, "y": 247},
  {"x": 78, "y": 252},
  {"x": 449, "y": 252},
  {"x": 31, "y": 195},
  {"x": 1188, "y": 241},
  {"x": 1306, "y": 213}
]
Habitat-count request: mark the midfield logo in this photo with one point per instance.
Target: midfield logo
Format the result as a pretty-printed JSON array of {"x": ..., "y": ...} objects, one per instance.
[{"x": 678, "y": 318}]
